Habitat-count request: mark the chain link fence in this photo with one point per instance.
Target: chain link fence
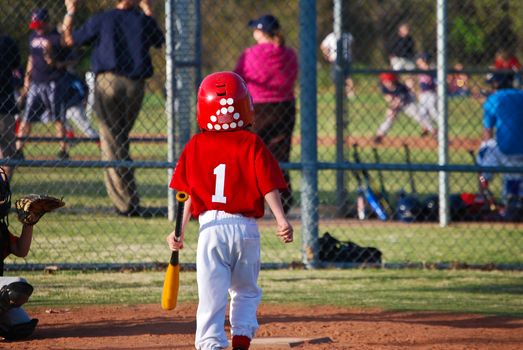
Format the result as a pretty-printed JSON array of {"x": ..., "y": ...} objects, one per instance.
[{"x": 373, "y": 115}]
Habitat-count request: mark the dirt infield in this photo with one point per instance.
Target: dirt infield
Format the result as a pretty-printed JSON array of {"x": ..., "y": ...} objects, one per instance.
[{"x": 149, "y": 327}]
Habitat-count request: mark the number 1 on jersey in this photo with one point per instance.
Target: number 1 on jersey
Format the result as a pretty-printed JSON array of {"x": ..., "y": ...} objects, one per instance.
[{"x": 218, "y": 196}]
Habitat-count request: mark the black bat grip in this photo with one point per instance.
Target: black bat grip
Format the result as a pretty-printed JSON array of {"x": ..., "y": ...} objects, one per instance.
[
  {"x": 356, "y": 155},
  {"x": 409, "y": 163},
  {"x": 174, "y": 258},
  {"x": 181, "y": 198},
  {"x": 380, "y": 174},
  {"x": 473, "y": 156},
  {"x": 357, "y": 161}
]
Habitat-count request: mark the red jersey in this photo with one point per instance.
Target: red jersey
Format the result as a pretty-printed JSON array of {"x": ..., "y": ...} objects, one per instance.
[
  {"x": 228, "y": 171},
  {"x": 510, "y": 63}
]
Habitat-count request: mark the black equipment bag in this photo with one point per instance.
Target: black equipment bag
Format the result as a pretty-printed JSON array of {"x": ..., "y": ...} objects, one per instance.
[{"x": 333, "y": 250}]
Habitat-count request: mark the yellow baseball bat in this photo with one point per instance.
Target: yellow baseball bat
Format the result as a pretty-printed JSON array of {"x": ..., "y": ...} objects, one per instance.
[{"x": 172, "y": 275}]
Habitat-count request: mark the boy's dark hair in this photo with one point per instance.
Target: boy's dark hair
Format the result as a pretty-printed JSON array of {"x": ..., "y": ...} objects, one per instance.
[
  {"x": 5, "y": 197},
  {"x": 500, "y": 80}
]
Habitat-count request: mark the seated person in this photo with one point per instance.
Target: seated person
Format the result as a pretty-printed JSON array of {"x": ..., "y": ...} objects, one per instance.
[
  {"x": 458, "y": 82},
  {"x": 502, "y": 142},
  {"x": 504, "y": 60}
]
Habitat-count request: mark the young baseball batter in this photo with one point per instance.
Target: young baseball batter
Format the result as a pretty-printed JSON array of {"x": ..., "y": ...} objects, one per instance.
[{"x": 228, "y": 172}]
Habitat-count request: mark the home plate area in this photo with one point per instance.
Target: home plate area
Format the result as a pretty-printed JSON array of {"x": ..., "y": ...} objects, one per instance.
[{"x": 282, "y": 342}]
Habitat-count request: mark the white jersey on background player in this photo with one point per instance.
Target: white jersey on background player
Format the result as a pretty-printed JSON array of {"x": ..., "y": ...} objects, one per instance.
[
  {"x": 228, "y": 173},
  {"x": 329, "y": 50}
]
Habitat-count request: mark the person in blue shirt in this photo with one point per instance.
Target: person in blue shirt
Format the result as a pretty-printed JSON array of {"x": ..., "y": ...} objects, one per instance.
[
  {"x": 503, "y": 134},
  {"x": 120, "y": 39}
]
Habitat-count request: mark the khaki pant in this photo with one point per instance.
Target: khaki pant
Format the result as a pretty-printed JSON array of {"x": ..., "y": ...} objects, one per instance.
[{"x": 117, "y": 102}]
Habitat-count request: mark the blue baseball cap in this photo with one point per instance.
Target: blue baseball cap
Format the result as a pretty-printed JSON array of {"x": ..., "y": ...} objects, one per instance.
[
  {"x": 424, "y": 56},
  {"x": 266, "y": 23}
]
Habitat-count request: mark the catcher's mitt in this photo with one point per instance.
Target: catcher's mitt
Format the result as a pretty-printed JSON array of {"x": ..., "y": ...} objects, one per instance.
[{"x": 32, "y": 207}]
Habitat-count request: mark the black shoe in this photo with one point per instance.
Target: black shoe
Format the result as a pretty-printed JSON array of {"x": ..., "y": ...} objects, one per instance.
[
  {"x": 63, "y": 155},
  {"x": 18, "y": 331},
  {"x": 378, "y": 139},
  {"x": 136, "y": 212},
  {"x": 19, "y": 155}
]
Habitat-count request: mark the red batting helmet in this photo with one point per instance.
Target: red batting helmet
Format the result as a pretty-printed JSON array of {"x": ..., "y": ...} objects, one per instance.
[
  {"x": 388, "y": 77},
  {"x": 224, "y": 103}
]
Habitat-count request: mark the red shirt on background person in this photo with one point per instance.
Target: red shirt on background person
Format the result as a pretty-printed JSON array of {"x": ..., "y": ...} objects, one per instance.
[{"x": 506, "y": 60}]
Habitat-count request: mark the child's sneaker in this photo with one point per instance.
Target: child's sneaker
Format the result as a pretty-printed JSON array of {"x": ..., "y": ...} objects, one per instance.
[{"x": 240, "y": 342}]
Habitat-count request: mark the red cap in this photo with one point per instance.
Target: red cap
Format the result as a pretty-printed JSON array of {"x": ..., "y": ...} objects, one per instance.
[
  {"x": 388, "y": 77},
  {"x": 39, "y": 18}
]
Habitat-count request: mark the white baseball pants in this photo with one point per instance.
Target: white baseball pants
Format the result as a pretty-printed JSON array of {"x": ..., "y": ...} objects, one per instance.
[{"x": 227, "y": 262}]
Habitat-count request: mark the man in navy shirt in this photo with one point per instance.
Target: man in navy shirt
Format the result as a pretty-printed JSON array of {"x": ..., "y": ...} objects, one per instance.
[
  {"x": 9, "y": 61},
  {"x": 120, "y": 39},
  {"x": 44, "y": 81}
]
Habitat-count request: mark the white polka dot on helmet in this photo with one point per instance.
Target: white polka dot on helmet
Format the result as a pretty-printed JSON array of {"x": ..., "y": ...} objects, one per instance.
[{"x": 224, "y": 103}]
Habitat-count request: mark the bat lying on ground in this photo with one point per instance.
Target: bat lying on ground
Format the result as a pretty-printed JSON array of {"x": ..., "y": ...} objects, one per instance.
[
  {"x": 367, "y": 190},
  {"x": 411, "y": 174},
  {"x": 172, "y": 275}
]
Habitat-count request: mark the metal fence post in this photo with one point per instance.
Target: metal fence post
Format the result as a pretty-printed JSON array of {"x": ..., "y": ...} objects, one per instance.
[
  {"x": 340, "y": 68},
  {"x": 170, "y": 87},
  {"x": 309, "y": 155},
  {"x": 443, "y": 150},
  {"x": 184, "y": 51},
  {"x": 182, "y": 56}
]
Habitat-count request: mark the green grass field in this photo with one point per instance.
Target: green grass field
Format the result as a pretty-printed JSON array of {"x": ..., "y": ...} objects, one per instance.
[
  {"x": 492, "y": 292},
  {"x": 87, "y": 230},
  {"x": 81, "y": 239}
]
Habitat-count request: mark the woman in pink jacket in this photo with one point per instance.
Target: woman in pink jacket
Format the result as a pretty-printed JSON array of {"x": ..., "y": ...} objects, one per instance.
[{"x": 270, "y": 70}]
